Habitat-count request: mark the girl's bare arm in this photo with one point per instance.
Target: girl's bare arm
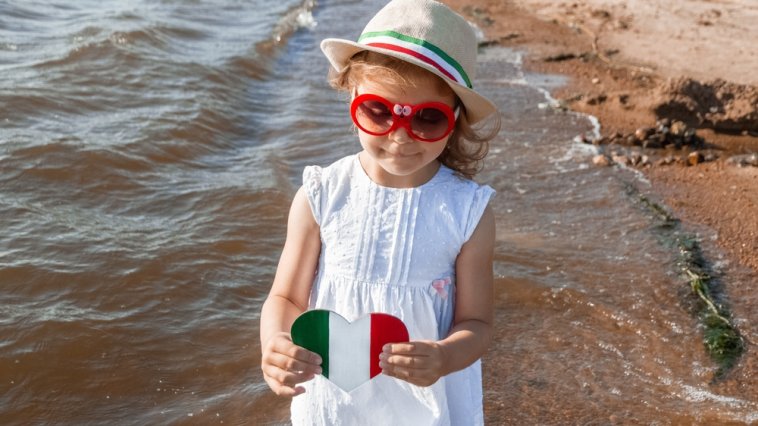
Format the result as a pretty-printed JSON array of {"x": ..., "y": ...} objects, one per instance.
[{"x": 284, "y": 364}]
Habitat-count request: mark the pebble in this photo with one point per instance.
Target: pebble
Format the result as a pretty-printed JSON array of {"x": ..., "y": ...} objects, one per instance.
[
  {"x": 694, "y": 158},
  {"x": 643, "y": 132},
  {"x": 678, "y": 128},
  {"x": 749, "y": 160},
  {"x": 601, "y": 160},
  {"x": 621, "y": 159}
]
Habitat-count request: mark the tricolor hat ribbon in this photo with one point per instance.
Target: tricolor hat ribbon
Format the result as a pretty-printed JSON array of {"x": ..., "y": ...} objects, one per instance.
[{"x": 419, "y": 49}]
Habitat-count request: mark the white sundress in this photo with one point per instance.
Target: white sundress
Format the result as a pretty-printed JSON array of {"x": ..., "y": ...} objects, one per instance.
[{"x": 382, "y": 249}]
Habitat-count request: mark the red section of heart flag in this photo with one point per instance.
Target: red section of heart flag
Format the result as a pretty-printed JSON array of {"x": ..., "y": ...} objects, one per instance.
[{"x": 384, "y": 329}]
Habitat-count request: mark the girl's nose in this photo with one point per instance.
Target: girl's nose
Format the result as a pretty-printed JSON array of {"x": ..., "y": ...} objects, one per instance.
[{"x": 400, "y": 135}]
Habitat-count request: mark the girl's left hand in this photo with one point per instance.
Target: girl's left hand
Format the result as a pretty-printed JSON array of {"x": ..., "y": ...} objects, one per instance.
[{"x": 419, "y": 362}]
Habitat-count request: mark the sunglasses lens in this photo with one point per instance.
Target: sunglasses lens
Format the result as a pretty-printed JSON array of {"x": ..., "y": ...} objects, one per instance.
[
  {"x": 430, "y": 123},
  {"x": 373, "y": 116}
]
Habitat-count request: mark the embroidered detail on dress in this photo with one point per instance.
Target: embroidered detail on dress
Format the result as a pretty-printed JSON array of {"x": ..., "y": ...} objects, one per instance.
[{"x": 440, "y": 286}]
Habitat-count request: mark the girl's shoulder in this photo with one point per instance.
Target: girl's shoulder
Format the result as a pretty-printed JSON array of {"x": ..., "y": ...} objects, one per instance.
[
  {"x": 460, "y": 199},
  {"x": 322, "y": 184},
  {"x": 448, "y": 181},
  {"x": 339, "y": 170}
]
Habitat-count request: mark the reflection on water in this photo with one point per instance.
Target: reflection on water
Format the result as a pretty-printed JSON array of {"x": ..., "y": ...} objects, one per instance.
[{"x": 148, "y": 155}]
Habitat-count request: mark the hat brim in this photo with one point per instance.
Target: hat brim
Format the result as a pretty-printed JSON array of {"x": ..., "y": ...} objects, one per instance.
[{"x": 339, "y": 52}]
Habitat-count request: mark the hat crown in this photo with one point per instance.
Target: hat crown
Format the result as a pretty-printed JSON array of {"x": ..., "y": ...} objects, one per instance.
[{"x": 432, "y": 25}]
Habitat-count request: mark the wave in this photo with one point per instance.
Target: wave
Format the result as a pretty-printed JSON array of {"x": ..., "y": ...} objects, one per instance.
[
  {"x": 294, "y": 19},
  {"x": 119, "y": 46}
]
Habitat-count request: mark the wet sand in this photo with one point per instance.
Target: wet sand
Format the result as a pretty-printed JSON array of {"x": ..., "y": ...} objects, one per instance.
[{"x": 633, "y": 64}]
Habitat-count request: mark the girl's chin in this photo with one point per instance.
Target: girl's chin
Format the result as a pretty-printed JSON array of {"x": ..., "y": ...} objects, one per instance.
[
  {"x": 407, "y": 175},
  {"x": 401, "y": 166}
]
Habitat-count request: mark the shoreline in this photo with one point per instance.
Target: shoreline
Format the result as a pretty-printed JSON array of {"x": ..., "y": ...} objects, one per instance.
[{"x": 703, "y": 168}]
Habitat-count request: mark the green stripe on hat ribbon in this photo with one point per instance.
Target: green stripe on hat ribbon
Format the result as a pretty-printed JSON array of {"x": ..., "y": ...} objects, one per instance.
[{"x": 423, "y": 43}]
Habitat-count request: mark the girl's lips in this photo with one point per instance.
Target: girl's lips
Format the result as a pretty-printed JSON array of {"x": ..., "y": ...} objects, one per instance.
[{"x": 401, "y": 154}]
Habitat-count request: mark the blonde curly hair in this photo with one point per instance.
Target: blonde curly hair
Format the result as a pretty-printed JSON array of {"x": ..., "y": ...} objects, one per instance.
[{"x": 466, "y": 147}]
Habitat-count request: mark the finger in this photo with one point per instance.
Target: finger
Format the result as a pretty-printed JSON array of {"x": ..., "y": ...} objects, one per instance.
[
  {"x": 395, "y": 368},
  {"x": 285, "y": 346},
  {"x": 399, "y": 372},
  {"x": 285, "y": 391},
  {"x": 299, "y": 353},
  {"x": 399, "y": 348},
  {"x": 401, "y": 360},
  {"x": 284, "y": 377},
  {"x": 415, "y": 377},
  {"x": 293, "y": 365}
]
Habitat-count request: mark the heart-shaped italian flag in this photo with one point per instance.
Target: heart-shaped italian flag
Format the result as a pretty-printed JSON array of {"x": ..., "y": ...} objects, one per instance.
[{"x": 349, "y": 351}]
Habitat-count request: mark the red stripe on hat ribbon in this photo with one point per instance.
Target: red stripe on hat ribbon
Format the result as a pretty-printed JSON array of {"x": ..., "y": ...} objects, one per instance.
[{"x": 415, "y": 55}]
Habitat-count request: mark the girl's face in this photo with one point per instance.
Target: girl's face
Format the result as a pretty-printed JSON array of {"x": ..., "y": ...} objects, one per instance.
[{"x": 396, "y": 159}]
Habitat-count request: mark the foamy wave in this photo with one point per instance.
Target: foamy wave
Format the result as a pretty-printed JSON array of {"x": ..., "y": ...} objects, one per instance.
[
  {"x": 295, "y": 19},
  {"x": 693, "y": 394},
  {"x": 306, "y": 20}
]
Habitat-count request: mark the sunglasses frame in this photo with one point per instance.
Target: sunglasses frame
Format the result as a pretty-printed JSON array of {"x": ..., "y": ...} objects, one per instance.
[{"x": 404, "y": 120}]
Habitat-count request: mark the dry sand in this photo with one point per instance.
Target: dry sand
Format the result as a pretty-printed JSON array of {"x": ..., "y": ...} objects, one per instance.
[{"x": 697, "y": 38}]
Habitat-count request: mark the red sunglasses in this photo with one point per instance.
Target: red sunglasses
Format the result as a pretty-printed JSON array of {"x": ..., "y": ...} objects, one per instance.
[{"x": 426, "y": 122}]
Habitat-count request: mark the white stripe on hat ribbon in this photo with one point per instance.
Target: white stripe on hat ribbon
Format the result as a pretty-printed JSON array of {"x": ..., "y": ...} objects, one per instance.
[{"x": 419, "y": 49}]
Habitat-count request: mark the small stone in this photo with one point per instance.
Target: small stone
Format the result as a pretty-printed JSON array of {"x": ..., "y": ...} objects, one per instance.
[
  {"x": 678, "y": 128},
  {"x": 582, "y": 139},
  {"x": 595, "y": 80},
  {"x": 744, "y": 160},
  {"x": 695, "y": 158},
  {"x": 601, "y": 160},
  {"x": 689, "y": 135},
  {"x": 651, "y": 142},
  {"x": 668, "y": 160},
  {"x": 600, "y": 141},
  {"x": 597, "y": 100},
  {"x": 621, "y": 159},
  {"x": 642, "y": 133}
]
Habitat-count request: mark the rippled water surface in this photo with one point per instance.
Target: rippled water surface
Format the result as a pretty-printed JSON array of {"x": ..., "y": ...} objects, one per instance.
[{"x": 148, "y": 154}]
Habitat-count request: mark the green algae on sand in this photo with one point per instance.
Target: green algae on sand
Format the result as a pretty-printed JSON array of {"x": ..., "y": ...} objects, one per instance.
[{"x": 721, "y": 338}]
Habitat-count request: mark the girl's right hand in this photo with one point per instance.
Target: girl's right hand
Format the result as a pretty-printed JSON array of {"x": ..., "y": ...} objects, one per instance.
[{"x": 285, "y": 364}]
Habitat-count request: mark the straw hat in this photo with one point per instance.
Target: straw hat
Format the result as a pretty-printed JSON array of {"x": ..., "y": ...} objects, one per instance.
[{"x": 425, "y": 33}]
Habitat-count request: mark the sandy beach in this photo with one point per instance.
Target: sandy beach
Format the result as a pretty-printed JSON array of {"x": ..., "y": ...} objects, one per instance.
[{"x": 690, "y": 64}]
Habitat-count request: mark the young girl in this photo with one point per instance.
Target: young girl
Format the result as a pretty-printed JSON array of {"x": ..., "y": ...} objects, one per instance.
[{"x": 398, "y": 228}]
